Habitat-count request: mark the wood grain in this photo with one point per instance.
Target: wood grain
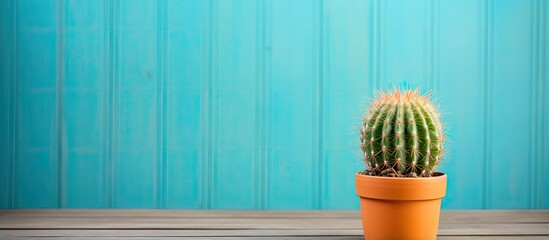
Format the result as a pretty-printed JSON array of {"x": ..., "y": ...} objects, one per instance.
[{"x": 509, "y": 224}]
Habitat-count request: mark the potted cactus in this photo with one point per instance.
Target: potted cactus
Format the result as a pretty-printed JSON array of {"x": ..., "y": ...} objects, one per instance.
[{"x": 400, "y": 191}]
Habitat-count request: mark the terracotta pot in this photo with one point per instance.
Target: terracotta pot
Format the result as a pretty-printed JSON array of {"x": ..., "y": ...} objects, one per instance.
[{"x": 400, "y": 208}]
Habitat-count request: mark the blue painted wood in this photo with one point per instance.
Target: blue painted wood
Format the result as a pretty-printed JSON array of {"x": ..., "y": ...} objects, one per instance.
[
  {"x": 538, "y": 92},
  {"x": 235, "y": 88},
  {"x": 186, "y": 89},
  {"x": 136, "y": 162},
  {"x": 293, "y": 80},
  {"x": 36, "y": 163},
  {"x": 543, "y": 181},
  {"x": 345, "y": 91},
  {"x": 463, "y": 21},
  {"x": 83, "y": 94},
  {"x": 403, "y": 43},
  {"x": 7, "y": 37},
  {"x": 512, "y": 76},
  {"x": 256, "y": 104}
]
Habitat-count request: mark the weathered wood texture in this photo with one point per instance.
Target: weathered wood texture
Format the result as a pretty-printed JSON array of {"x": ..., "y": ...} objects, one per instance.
[
  {"x": 256, "y": 104},
  {"x": 531, "y": 224}
]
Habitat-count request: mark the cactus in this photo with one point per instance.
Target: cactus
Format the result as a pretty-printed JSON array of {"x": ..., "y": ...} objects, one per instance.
[{"x": 402, "y": 135}]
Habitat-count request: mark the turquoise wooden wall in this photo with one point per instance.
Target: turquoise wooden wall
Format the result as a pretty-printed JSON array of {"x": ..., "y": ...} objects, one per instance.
[{"x": 256, "y": 104}]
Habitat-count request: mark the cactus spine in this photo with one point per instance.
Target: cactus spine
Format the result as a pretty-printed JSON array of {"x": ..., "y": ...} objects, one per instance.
[{"x": 402, "y": 135}]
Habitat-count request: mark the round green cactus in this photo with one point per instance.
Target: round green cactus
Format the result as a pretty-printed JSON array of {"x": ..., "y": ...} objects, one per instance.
[{"x": 402, "y": 135}]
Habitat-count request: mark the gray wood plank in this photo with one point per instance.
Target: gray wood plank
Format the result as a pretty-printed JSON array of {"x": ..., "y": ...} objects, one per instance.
[
  {"x": 493, "y": 238},
  {"x": 479, "y": 216},
  {"x": 208, "y": 238},
  {"x": 159, "y": 223},
  {"x": 291, "y": 238},
  {"x": 497, "y": 229},
  {"x": 495, "y": 216},
  {"x": 445, "y": 230},
  {"x": 193, "y": 214},
  {"x": 172, "y": 223},
  {"x": 177, "y": 233},
  {"x": 288, "y": 238},
  {"x": 130, "y": 219}
]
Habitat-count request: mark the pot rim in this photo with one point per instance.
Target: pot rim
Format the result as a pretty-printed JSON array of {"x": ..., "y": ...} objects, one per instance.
[
  {"x": 393, "y": 188},
  {"x": 407, "y": 178}
]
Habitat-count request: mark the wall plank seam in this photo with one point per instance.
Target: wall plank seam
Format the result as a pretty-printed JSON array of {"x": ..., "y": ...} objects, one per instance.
[
  {"x": 109, "y": 93},
  {"x": 259, "y": 107},
  {"x": 158, "y": 161},
  {"x": 541, "y": 186},
  {"x": 267, "y": 71},
  {"x": 114, "y": 81},
  {"x": 215, "y": 96},
  {"x": 541, "y": 106},
  {"x": 14, "y": 111},
  {"x": 379, "y": 46},
  {"x": 372, "y": 36},
  {"x": 209, "y": 105},
  {"x": 487, "y": 49},
  {"x": 482, "y": 74},
  {"x": 319, "y": 102},
  {"x": 204, "y": 122},
  {"x": 60, "y": 79},
  {"x": 326, "y": 121},
  {"x": 375, "y": 41},
  {"x": 113, "y": 95},
  {"x": 382, "y": 55},
  {"x": 106, "y": 102},
  {"x": 313, "y": 203},
  {"x": 120, "y": 61},
  {"x": 165, "y": 68},
  {"x": 431, "y": 32},
  {"x": 533, "y": 140},
  {"x": 426, "y": 44},
  {"x": 436, "y": 45},
  {"x": 324, "y": 124},
  {"x": 8, "y": 85},
  {"x": 161, "y": 102}
]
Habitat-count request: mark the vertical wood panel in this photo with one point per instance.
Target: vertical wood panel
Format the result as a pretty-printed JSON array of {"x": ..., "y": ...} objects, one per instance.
[
  {"x": 461, "y": 78},
  {"x": 346, "y": 61},
  {"x": 7, "y": 63},
  {"x": 136, "y": 162},
  {"x": 37, "y": 166},
  {"x": 83, "y": 111},
  {"x": 404, "y": 53},
  {"x": 293, "y": 69},
  {"x": 512, "y": 77},
  {"x": 185, "y": 90},
  {"x": 235, "y": 107}
]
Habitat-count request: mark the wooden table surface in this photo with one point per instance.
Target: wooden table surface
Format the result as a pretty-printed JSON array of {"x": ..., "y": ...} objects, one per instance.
[{"x": 134, "y": 224}]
